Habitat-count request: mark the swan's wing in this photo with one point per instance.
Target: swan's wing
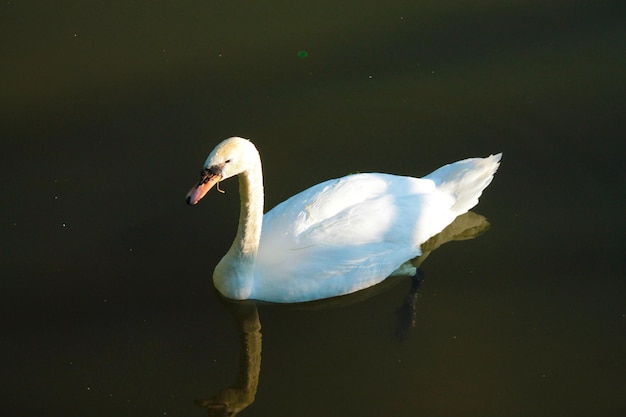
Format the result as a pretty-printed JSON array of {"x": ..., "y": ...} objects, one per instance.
[
  {"x": 325, "y": 200},
  {"x": 344, "y": 235}
]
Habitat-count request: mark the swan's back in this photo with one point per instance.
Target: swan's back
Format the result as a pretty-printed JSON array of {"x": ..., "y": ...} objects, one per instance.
[{"x": 347, "y": 234}]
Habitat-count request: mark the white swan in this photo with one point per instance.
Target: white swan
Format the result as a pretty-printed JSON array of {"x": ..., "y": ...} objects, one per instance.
[{"x": 339, "y": 236}]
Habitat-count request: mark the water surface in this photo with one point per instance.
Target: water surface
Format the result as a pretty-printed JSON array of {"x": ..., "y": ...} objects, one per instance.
[{"x": 109, "y": 110}]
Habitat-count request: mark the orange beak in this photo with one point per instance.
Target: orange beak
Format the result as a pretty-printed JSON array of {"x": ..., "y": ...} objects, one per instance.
[{"x": 198, "y": 191}]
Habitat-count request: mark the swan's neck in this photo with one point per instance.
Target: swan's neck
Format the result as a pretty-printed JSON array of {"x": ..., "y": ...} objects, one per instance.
[
  {"x": 234, "y": 275},
  {"x": 246, "y": 243}
]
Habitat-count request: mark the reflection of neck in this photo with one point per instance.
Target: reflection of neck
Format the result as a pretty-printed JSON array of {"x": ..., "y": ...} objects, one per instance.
[
  {"x": 240, "y": 395},
  {"x": 250, "y": 355}
]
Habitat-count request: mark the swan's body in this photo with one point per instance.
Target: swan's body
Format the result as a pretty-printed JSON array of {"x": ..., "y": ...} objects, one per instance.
[{"x": 339, "y": 236}]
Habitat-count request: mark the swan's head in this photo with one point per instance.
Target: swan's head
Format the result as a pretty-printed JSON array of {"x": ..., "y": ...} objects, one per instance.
[{"x": 231, "y": 157}]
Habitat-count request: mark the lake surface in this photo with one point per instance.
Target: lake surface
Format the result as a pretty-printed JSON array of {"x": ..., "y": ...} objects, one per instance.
[{"x": 108, "y": 111}]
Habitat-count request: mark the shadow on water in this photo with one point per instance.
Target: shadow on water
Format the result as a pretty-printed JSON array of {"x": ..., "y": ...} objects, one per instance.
[{"x": 236, "y": 397}]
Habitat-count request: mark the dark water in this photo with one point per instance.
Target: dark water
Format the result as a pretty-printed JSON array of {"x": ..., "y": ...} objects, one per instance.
[{"x": 109, "y": 109}]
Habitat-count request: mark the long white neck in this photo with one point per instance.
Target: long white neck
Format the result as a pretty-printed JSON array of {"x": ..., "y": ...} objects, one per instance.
[
  {"x": 234, "y": 274},
  {"x": 246, "y": 243}
]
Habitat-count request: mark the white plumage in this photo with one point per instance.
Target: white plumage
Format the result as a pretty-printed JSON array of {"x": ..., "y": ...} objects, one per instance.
[{"x": 339, "y": 236}]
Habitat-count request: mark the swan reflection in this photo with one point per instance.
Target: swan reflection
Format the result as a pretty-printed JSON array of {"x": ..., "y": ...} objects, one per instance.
[{"x": 236, "y": 397}]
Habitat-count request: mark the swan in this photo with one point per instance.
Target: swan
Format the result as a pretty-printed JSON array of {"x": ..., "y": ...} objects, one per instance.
[{"x": 336, "y": 237}]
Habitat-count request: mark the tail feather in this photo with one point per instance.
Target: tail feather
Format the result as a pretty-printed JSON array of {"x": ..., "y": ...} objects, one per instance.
[{"x": 466, "y": 180}]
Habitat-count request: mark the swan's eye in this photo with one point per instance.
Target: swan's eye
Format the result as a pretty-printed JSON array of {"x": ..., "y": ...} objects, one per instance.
[
  {"x": 205, "y": 175},
  {"x": 227, "y": 161}
]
